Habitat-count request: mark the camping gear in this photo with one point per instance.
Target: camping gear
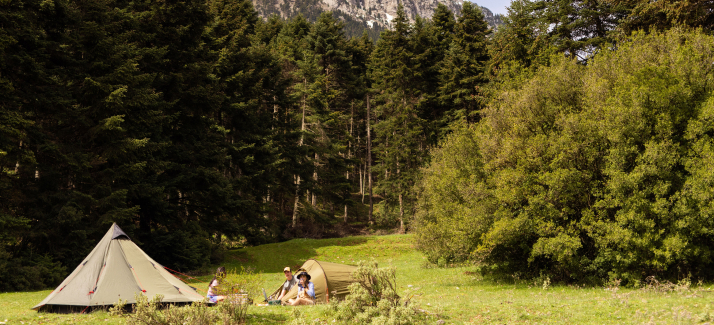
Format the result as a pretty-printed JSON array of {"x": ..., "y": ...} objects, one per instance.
[
  {"x": 116, "y": 269},
  {"x": 270, "y": 302},
  {"x": 330, "y": 279}
]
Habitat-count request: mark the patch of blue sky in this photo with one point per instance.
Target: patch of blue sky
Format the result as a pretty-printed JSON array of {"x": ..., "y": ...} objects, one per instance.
[{"x": 496, "y": 6}]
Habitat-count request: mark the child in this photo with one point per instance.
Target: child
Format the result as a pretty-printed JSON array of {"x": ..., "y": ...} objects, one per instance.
[{"x": 212, "y": 296}]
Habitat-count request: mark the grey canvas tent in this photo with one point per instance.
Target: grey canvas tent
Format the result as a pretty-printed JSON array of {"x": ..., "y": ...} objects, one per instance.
[
  {"x": 115, "y": 269},
  {"x": 331, "y": 281}
]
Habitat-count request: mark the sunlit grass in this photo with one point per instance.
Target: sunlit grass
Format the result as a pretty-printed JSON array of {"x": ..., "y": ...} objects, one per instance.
[{"x": 457, "y": 295}]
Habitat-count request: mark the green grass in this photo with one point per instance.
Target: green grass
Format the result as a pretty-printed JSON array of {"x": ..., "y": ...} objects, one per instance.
[{"x": 457, "y": 295}]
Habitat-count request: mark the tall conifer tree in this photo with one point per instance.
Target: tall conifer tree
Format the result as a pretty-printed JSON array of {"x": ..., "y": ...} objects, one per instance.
[
  {"x": 399, "y": 136},
  {"x": 463, "y": 69}
]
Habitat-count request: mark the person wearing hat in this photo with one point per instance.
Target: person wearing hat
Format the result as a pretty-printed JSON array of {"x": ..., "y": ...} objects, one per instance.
[
  {"x": 306, "y": 291},
  {"x": 289, "y": 282}
]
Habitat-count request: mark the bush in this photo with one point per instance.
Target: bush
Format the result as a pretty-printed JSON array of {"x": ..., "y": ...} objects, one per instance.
[
  {"x": 154, "y": 312},
  {"x": 238, "y": 286},
  {"x": 585, "y": 173},
  {"x": 373, "y": 299}
]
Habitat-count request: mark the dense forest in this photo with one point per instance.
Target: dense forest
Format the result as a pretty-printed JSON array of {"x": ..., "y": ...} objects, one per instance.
[{"x": 576, "y": 140}]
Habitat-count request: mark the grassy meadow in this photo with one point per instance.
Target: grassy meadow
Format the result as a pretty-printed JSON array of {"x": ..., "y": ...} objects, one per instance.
[{"x": 457, "y": 295}]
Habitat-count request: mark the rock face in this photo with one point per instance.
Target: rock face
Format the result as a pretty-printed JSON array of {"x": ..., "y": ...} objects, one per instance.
[
  {"x": 371, "y": 14},
  {"x": 494, "y": 21}
]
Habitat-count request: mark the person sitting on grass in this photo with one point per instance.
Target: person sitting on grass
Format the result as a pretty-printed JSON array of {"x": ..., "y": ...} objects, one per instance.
[
  {"x": 306, "y": 291},
  {"x": 212, "y": 296},
  {"x": 289, "y": 282}
]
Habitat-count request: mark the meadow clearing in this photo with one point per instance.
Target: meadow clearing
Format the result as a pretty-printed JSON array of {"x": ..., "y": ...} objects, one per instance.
[{"x": 456, "y": 295}]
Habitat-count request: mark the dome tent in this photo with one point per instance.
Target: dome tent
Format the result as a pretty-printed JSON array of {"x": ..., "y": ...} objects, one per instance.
[
  {"x": 331, "y": 281},
  {"x": 115, "y": 269}
]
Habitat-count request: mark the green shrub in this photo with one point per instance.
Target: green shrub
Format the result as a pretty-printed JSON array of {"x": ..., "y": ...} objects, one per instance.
[
  {"x": 238, "y": 286},
  {"x": 154, "y": 312},
  {"x": 585, "y": 172},
  {"x": 373, "y": 299}
]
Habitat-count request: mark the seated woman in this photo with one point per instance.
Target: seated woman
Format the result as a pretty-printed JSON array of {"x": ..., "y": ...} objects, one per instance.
[
  {"x": 306, "y": 291},
  {"x": 212, "y": 296}
]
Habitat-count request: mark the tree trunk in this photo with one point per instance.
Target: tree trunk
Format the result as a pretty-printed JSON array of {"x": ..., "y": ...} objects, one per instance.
[
  {"x": 401, "y": 203},
  {"x": 401, "y": 213},
  {"x": 266, "y": 200},
  {"x": 361, "y": 181},
  {"x": 314, "y": 178},
  {"x": 17, "y": 163},
  {"x": 349, "y": 151},
  {"x": 297, "y": 186},
  {"x": 297, "y": 200},
  {"x": 369, "y": 163}
]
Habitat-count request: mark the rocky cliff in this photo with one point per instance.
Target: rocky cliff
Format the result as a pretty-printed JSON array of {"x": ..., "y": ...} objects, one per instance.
[{"x": 373, "y": 15}]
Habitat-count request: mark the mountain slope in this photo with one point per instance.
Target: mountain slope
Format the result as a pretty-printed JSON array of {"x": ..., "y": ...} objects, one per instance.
[{"x": 372, "y": 15}]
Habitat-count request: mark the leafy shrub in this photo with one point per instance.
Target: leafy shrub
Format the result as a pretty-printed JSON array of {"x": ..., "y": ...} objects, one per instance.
[
  {"x": 154, "y": 312},
  {"x": 238, "y": 286},
  {"x": 585, "y": 172},
  {"x": 652, "y": 284},
  {"x": 373, "y": 299}
]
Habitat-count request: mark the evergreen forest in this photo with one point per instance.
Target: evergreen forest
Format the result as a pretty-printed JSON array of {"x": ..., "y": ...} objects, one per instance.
[{"x": 577, "y": 141}]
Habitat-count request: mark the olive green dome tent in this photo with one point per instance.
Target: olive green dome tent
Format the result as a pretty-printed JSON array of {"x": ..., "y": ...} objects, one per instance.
[
  {"x": 331, "y": 281},
  {"x": 115, "y": 269}
]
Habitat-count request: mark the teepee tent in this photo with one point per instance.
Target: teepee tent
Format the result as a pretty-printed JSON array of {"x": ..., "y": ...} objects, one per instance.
[
  {"x": 115, "y": 269},
  {"x": 331, "y": 280}
]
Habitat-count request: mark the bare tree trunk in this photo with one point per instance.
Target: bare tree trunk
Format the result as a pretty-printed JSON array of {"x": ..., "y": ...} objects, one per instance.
[
  {"x": 349, "y": 149},
  {"x": 401, "y": 196},
  {"x": 361, "y": 181},
  {"x": 297, "y": 200},
  {"x": 266, "y": 199},
  {"x": 17, "y": 163},
  {"x": 369, "y": 163},
  {"x": 401, "y": 213},
  {"x": 401, "y": 203},
  {"x": 314, "y": 178},
  {"x": 297, "y": 187}
]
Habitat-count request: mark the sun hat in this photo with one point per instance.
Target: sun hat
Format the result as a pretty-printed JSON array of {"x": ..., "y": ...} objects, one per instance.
[{"x": 305, "y": 274}]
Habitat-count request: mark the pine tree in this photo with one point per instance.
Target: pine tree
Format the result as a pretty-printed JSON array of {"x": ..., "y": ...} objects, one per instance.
[
  {"x": 179, "y": 186},
  {"x": 360, "y": 50},
  {"x": 579, "y": 28},
  {"x": 444, "y": 22},
  {"x": 463, "y": 69},
  {"x": 662, "y": 15},
  {"x": 21, "y": 61},
  {"x": 253, "y": 119},
  {"x": 399, "y": 136},
  {"x": 331, "y": 103},
  {"x": 267, "y": 31},
  {"x": 521, "y": 42}
]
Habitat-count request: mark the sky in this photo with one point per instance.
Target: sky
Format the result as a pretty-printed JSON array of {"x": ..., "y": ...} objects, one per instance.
[{"x": 496, "y": 6}]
